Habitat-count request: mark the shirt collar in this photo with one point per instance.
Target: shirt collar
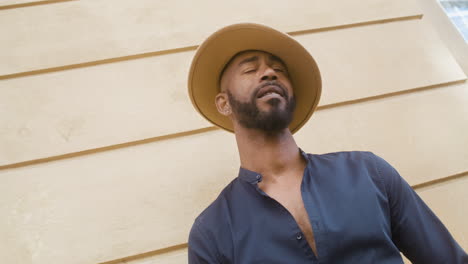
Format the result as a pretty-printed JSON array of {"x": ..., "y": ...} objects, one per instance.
[{"x": 253, "y": 177}]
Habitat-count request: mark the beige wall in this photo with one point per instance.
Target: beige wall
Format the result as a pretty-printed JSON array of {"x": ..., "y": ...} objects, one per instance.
[{"x": 103, "y": 159}]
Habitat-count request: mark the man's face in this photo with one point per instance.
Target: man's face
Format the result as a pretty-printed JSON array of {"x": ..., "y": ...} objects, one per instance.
[{"x": 259, "y": 91}]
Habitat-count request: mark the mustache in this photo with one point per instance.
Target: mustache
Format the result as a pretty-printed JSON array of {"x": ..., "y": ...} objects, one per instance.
[{"x": 272, "y": 83}]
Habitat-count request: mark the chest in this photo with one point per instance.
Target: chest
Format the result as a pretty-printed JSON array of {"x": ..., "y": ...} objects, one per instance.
[
  {"x": 291, "y": 199},
  {"x": 349, "y": 216}
]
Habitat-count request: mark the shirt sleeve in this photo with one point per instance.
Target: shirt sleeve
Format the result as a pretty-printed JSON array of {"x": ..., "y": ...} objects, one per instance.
[
  {"x": 200, "y": 249},
  {"x": 416, "y": 230}
]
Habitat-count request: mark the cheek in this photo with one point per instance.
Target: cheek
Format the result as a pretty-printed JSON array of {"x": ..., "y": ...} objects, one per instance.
[
  {"x": 288, "y": 85},
  {"x": 242, "y": 89}
]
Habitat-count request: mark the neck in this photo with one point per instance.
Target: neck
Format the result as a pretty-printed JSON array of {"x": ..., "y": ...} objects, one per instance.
[{"x": 269, "y": 154}]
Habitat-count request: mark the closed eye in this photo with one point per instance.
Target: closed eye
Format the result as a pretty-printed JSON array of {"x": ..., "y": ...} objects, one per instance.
[
  {"x": 250, "y": 70},
  {"x": 281, "y": 70}
]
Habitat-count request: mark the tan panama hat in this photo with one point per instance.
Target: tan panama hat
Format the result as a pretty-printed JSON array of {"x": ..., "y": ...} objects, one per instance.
[{"x": 216, "y": 51}]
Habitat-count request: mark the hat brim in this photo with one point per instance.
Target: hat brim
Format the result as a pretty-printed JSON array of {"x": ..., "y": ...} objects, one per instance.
[{"x": 217, "y": 50}]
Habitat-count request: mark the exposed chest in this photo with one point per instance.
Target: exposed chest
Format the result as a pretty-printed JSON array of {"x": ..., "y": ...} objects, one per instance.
[{"x": 290, "y": 197}]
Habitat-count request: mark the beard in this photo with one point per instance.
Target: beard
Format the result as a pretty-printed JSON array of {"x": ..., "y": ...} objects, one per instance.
[{"x": 276, "y": 119}]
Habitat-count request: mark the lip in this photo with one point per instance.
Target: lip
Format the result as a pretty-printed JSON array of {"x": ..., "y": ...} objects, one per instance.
[{"x": 273, "y": 88}]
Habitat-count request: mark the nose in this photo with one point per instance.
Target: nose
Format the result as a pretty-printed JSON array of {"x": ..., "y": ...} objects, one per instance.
[{"x": 269, "y": 74}]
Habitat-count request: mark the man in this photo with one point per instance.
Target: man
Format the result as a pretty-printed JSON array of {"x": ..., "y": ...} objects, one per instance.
[{"x": 287, "y": 206}]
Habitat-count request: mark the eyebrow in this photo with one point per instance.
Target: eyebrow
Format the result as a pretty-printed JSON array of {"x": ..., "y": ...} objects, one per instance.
[
  {"x": 255, "y": 58},
  {"x": 276, "y": 59}
]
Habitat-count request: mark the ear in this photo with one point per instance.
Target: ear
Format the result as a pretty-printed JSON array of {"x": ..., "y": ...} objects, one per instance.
[{"x": 222, "y": 104}]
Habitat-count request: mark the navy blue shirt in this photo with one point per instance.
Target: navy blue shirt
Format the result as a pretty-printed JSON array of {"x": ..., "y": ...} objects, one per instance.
[{"x": 360, "y": 209}]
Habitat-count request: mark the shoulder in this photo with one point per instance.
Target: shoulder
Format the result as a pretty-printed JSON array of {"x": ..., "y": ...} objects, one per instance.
[
  {"x": 367, "y": 158},
  {"x": 353, "y": 165},
  {"x": 214, "y": 219},
  {"x": 347, "y": 157},
  {"x": 211, "y": 232},
  {"x": 217, "y": 209}
]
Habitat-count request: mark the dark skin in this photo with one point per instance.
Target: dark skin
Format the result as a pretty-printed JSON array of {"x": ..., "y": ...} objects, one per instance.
[{"x": 275, "y": 155}]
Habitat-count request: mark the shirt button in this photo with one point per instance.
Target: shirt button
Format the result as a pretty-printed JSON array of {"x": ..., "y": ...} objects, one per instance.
[
  {"x": 259, "y": 178},
  {"x": 299, "y": 237}
]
